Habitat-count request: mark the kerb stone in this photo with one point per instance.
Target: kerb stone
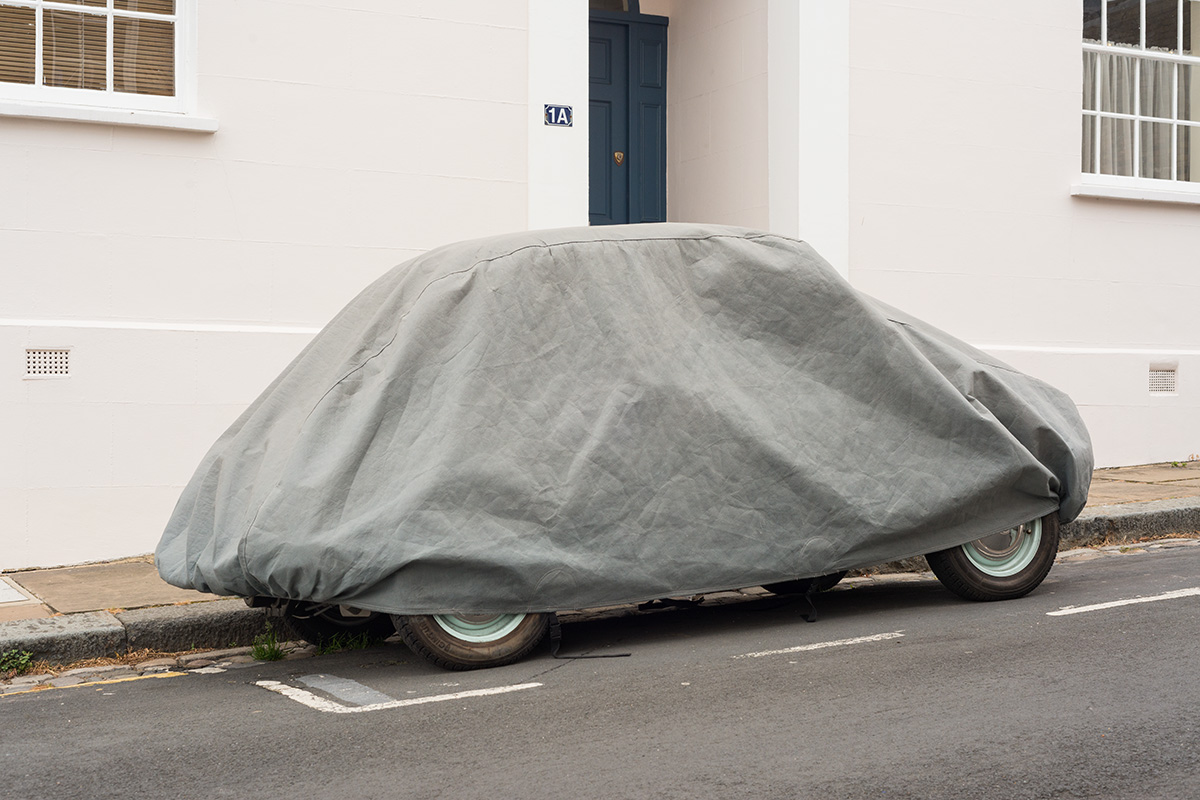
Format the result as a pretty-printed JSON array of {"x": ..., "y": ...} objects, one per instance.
[
  {"x": 219, "y": 623},
  {"x": 65, "y": 639}
]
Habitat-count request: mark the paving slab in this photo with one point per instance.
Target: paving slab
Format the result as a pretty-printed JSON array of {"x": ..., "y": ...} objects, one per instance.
[
  {"x": 1153, "y": 473},
  {"x": 1105, "y": 493},
  {"x": 128, "y": 584},
  {"x": 16, "y": 603},
  {"x": 16, "y": 611}
]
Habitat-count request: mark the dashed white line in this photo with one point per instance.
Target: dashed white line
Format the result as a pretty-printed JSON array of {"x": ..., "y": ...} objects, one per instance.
[
  {"x": 878, "y": 637},
  {"x": 1193, "y": 592},
  {"x": 328, "y": 706}
]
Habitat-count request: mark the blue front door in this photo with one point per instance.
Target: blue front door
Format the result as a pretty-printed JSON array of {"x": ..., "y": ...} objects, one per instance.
[{"x": 628, "y": 120}]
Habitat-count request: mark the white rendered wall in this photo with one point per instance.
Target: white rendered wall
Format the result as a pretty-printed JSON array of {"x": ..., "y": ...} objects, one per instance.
[
  {"x": 964, "y": 143},
  {"x": 716, "y": 111},
  {"x": 558, "y": 75},
  {"x": 186, "y": 269},
  {"x": 808, "y": 93}
]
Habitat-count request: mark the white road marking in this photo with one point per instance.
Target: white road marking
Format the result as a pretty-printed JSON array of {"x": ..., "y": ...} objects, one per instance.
[
  {"x": 879, "y": 637},
  {"x": 1193, "y": 592},
  {"x": 321, "y": 704},
  {"x": 344, "y": 689}
]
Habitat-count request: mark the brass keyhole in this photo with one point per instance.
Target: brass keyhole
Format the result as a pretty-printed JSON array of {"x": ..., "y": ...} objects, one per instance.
[{"x": 619, "y": 157}]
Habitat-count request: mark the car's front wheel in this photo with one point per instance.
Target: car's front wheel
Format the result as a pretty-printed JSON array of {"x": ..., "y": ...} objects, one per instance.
[
  {"x": 1001, "y": 566},
  {"x": 472, "y": 641}
]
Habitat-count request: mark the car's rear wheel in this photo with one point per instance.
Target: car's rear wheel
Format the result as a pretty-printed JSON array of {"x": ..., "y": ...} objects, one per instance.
[
  {"x": 821, "y": 583},
  {"x": 472, "y": 641},
  {"x": 1001, "y": 566},
  {"x": 325, "y": 625}
]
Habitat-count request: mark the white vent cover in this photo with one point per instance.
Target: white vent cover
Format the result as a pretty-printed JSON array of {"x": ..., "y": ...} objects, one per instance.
[
  {"x": 1162, "y": 381},
  {"x": 47, "y": 363}
]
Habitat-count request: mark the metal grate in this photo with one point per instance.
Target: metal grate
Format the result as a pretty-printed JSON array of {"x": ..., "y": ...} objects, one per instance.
[
  {"x": 1162, "y": 381},
  {"x": 47, "y": 363}
]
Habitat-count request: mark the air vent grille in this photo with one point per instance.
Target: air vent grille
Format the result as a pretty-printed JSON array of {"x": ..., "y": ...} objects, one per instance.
[
  {"x": 1162, "y": 381},
  {"x": 47, "y": 363}
]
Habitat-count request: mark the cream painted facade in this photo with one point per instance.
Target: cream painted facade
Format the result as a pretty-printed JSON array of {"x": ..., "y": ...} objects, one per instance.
[{"x": 928, "y": 149}]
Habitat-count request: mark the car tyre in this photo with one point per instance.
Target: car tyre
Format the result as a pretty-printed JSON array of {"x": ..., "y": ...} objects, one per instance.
[
  {"x": 472, "y": 641},
  {"x": 323, "y": 626},
  {"x": 1001, "y": 566},
  {"x": 822, "y": 583}
]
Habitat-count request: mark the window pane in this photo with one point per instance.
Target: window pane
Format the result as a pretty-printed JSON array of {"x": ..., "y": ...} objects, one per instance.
[
  {"x": 1116, "y": 146},
  {"x": 1125, "y": 22},
  {"x": 100, "y": 3},
  {"x": 144, "y": 56},
  {"x": 1157, "y": 83},
  {"x": 1188, "y": 154},
  {"x": 1191, "y": 24},
  {"x": 1089, "y": 80},
  {"x": 17, "y": 31},
  {"x": 1162, "y": 24},
  {"x": 1089, "y": 144},
  {"x": 1116, "y": 83},
  {"x": 1091, "y": 20},
  {"x": 146, "y": 6},
  {"x": 73, "y": 49},
  {"x": 1156, "y": 150},
  {"x": 1189, "y": 93}
]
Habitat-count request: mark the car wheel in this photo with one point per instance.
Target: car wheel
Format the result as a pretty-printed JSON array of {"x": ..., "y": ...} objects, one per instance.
[
  {"x": 822, "y": 583},
  {"x": 321, "y": 624},
  {"x": 1000, "y": 566},
  {"x": 472, "y": 641}
]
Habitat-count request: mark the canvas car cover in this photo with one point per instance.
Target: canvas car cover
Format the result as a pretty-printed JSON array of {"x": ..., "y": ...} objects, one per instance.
[{"x": 573, "y": 418}]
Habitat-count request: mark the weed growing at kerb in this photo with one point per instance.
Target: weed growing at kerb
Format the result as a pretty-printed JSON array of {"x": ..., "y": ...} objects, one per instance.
[
  {"x": 15, "y": 662},
  {"x": 266, "y": 647}
]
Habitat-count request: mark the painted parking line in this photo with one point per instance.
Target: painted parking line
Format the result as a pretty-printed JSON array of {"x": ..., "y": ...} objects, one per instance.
[
  {"x": 1193, "y": 592},
  {"x": 311, "y": 700},
  {"x": 344, "y": 689},
  {"x": 878, "y": 637}
]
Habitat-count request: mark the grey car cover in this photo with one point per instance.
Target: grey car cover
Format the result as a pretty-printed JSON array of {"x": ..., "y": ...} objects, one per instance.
[{"x": 575, "y": 418}]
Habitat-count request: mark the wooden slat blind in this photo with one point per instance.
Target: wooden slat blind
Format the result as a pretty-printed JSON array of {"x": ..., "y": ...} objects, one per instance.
[
  {"x": 147, "y": 6},
  {"x": 144, "y": 56},
  {"x": 18, "y": 32},
  {"x": 74, "y": 47}
]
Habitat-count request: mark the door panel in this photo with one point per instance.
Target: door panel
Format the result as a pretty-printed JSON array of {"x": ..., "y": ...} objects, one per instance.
[
  {"x": 628, "y": 105},
  {"x": 608, "y": 190}
]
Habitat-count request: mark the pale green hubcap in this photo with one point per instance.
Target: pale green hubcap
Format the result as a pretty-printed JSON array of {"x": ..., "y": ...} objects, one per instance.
[
  {"x": 478, "y": 627},
  {"x": 1003, "y": 554}
]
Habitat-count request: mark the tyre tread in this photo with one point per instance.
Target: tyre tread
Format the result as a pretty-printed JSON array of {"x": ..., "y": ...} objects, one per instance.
[{"x": 420, "y": 634}]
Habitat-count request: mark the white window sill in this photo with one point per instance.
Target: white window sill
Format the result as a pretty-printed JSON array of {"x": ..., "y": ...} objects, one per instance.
[
  {"x": 108, "y": 116},
  {"x": 1121, "y": 188}
]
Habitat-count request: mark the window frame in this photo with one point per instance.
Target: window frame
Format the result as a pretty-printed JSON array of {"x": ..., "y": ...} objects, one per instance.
[
  {"x": 1137, "y": 187},
  {"x": 109, "y": 106}
]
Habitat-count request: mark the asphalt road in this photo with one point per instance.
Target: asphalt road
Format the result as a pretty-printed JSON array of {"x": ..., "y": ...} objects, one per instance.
[{"x": 901, "y": 691}]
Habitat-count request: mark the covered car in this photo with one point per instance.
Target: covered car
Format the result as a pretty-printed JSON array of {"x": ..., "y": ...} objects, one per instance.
[{"x": 517, "y": 425}]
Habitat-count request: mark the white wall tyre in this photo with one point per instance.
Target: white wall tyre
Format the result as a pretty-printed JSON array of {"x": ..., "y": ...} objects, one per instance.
[
  {"x": 1001, "y": 566},
  {"x": 472, "y": 641}
]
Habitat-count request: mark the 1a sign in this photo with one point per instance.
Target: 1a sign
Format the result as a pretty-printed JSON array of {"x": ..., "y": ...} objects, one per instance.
[{"x": 558, "y": 115}]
